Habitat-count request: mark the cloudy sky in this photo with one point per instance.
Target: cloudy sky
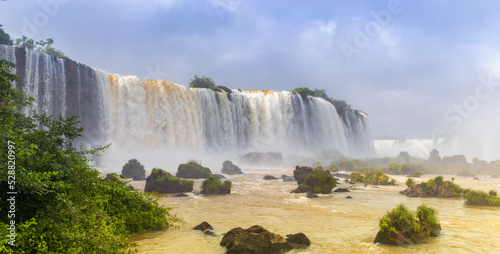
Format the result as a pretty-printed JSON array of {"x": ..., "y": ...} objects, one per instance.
[{"x": 413, "y": 66}]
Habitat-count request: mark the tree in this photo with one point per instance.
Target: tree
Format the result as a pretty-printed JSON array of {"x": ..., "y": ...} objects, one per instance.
[
  {"x": 203, "y": 82},
  {"x": 40, "y": 46},
  {"x": 134, "y": 169},
  {"x": 4, "y": 37},
  {"x": 25, "y": 42},
  {"x": 410, "y": 182},
  {"x": 66, "y": 206}
]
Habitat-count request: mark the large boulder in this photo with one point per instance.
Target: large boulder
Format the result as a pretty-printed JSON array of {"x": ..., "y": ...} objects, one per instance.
[
  {"x": 341, "y": 190},
  {"x": 193, "y": 170},
  {"x": 318, "y": 181},
  {"x": 213, "y": 185},
  {"x": 164, "y": 182},
  {"x": 258, "y": 240},
  {"x": 134, "y": 169},
  {"x": 229, "y": 168},
  {"x": 206, "y": 228},
  {"x": 266, "y": 159},
  {"x": 270, "y": 177}
]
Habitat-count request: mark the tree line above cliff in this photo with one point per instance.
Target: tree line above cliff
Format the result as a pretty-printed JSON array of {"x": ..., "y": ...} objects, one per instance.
[{"x": 43, "y": 46}]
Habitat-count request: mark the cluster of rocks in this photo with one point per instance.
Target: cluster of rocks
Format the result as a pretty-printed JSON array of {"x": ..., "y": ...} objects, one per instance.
[
  {"x": 256, "y": 239},
  {"x": 163, "y": 182}
]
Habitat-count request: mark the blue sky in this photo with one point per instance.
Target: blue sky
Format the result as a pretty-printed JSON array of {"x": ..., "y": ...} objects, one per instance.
[{"x": 406, "y": 63}]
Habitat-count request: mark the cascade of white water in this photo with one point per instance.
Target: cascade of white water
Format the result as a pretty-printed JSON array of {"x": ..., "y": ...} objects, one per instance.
[{"x": 151, "y": 115}]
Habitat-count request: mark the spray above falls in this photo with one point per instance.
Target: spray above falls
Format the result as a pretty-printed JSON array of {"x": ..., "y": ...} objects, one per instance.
[{"x": 139, "y": 115}]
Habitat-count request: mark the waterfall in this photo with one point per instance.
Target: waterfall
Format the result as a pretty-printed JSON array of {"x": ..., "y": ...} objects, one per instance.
[{"x": 151, "y": 115}]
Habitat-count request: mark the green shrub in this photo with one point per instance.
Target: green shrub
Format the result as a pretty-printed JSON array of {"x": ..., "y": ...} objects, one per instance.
[
  {"x": 410, "y": 182},
  {"x": 401, "y": 226},
  {"x": 318, "y": 181},
  {"x": 164, "y": 182},
  {"x": 372, "y": 177},
  {"x": 300, "y": 173},
  {"x": 481, "y": 198},
  {"x": 213, "y": 185},
  {"x": 193, "y": 170},
  {"x": 134, "y": 169},
  {"x": 66, "y": 206}
]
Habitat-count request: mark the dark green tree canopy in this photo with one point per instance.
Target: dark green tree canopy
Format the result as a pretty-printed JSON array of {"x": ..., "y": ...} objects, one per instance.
[
  {"x": 5, "y": 37},
  {"x": 203, "y": 82},
  {"x": 62, "y": 203}
]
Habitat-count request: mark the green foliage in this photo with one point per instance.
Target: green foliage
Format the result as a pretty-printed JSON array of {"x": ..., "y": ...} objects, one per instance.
[
  {"x": 300, "y": 173},
  {"x": 427, "y": 216},
  {"x": 317, "y": 181},
  {"x": 432, "y": 186},
  {"x": 410, "y": 182},
  {"x": 134, "y": 169},
  {"x": 481, "y": 198},
  {"x": 371, "y": 177},
  {"x": 193, "y": 170},
  {"x": 63, "y": 205},
  {"x": 203, "y": 82},
  {"x": 5, "y": 37},
  {"x": 40, "y": 46},
  {"x": 340, "y": 105},
  {"x": 213, "y": 185},
  {"x": 402, "y": 226},
  {"x": 164, "y": 182}
]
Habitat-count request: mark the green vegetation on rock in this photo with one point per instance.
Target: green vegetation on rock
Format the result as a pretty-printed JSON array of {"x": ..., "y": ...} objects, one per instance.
[
  {"x": 300, "y": 173},
  {"x": 436, "y": 187},
  {"x": 134, "y": 169},
  {"x": 481, "y": 198},
  {"x": 163, "y": 182},
  {"x": 410, "y": 182},
  {"x": 193, "y": 170},
  {"x": 372, "y": 177},
  {"x": 62, "y": 203},
  {"x": 317, "y": 180},
  {"x": 213, "y": 185},
  {"x": 340, "y": 105},
  {"x": 402, "y": 226}
]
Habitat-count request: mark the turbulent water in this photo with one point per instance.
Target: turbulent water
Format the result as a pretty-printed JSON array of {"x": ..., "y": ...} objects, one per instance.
[
  {"x": 333, "y": 223},
  {"x": 141, "y": 116}
]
